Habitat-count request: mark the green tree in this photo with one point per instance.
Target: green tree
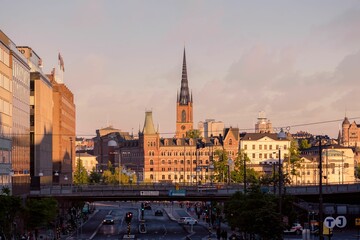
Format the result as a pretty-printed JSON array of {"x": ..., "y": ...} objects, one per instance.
[
  {"x": 94, "y": 176},
  {"x": 304, "y": 144},
  {"x": 193, "y": 133},
  {"x": 220, "y": 166},
  {"x": 237, "y": 174},
  {"x": 80, "y": 174},
  {"x": 40, "y": 212},
  {"x": 10, "y": 209},
  {"x": 294, "y": 160},
  {"x": 255, "y": 213}
]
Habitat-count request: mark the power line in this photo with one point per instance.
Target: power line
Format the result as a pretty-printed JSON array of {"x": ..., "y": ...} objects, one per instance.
[{"x": 173, "y": 133}]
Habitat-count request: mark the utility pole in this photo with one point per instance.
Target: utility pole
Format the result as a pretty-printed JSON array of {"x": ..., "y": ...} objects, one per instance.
[{"x": 321, "y": 237}]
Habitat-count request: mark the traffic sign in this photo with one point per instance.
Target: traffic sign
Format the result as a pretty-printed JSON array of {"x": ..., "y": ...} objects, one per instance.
[
  {"x": 329, "y": 222},
  {"x": 340, "y": 221}
]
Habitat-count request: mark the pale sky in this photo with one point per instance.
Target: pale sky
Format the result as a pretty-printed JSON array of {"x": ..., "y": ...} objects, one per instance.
[{"x": 299, "y": 61}]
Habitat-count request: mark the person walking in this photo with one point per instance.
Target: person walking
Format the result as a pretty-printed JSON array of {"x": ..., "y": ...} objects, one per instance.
[{"x": 224, "y": 235}]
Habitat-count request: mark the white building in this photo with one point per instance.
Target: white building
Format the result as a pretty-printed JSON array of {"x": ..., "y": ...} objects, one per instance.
[
  {"x": 261, "y": 147},
  {"x": 211, "y": 127}
]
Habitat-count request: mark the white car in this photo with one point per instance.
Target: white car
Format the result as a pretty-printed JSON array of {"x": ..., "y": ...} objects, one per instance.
[
  {"x": 296, "y": 228},
  {"x": 188, "y": 221}
]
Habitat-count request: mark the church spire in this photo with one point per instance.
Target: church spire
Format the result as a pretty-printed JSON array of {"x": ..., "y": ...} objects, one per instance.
[{"x": 184, "y": 98}]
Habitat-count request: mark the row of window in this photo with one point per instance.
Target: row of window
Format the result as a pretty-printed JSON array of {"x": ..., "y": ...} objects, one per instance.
[
  {"x": 264, "y": 147},
  {"x": 20, "y": 73},
  {"x": 4, "y": 57},
  {"x": 182, "y": 169},
  {"x": 5, "y": 107},
  {"x": 5, "y": 82},
  {"x": 180, "y": 161},
  {"x": 265, "y": 155},
  {"x": 169, "y": 177}
]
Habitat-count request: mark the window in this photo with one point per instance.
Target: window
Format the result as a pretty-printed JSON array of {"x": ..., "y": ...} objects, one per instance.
[
  {"x": 163, "y": 177},
  {"x": 188, "y": 161},
  {"x": 175, "y": 161},
  {"x": 162, "y": 161},
  {"x": 270, "y": 147},
  {"x": 151, "y": 169},
  {"x": 253, "y": 155},
  {"x": 260, "y": 155},
  {"x": 169, "y": 161},
  {"x": 151, "y": 177},
  {"x": 183, "y": 116},
  {"x": 163, "y": 169},
  {"x": 169, "y": 169},
  {"x": 253, "y": 146},
  {"x": 169, "y": 177},
  {"x": 230, "y": 141},
  {"x": 245, "y": 147},
  {"x": 265, "y": 155},
  {"x": 151, "y": 162},
  {"x": 270, "y": 155},
  {"x": 181, "y": 161},
  {"x": 260, "y": 147},
  {"x": 265, "y": 147}
]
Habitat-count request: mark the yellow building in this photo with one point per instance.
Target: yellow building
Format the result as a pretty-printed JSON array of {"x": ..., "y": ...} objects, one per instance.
[
  {"x": 41, "y": 120},
  {"x": 337, "y": 162},
  {"x": 5, "y": 112},
  {"x": 19, "y": 109}
]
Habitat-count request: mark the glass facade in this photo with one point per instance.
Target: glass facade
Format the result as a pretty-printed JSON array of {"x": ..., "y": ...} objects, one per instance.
[{"x": 21, "y": 124}]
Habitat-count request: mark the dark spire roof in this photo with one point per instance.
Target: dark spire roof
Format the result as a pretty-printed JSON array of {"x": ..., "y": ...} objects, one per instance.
[
  {"x": 184, "y": 98},
  {"x": 346, "y": 121}
]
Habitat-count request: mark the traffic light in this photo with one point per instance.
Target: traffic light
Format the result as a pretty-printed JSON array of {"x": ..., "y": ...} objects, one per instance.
[
  {"x": 142, "y": 207},
  {"x": 128, "y": 217}
]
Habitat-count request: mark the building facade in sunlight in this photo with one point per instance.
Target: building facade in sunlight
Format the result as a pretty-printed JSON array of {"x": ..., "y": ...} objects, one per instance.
[
  {"x": 19, "y": 111},
  {"x": 64, "y": 116},
  {"x": 41, "y": 120},
  {"x": 5, "y": 113},
  {"x": 350, "y": 134}
]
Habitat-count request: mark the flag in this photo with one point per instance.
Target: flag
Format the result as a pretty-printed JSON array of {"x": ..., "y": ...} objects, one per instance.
[{"x": 61, "y": 63}]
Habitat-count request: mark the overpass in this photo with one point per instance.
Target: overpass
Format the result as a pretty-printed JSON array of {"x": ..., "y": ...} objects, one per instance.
[{"x": 337, "y": 193}]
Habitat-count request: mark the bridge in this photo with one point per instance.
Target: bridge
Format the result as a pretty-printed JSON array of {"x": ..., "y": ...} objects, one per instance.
[{"x": 344, "y": 193}]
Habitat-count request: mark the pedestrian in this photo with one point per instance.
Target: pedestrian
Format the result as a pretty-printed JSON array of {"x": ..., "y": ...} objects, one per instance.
[
  {"x": 224, "y": 235},
  {"x": 218, "y": 233}
]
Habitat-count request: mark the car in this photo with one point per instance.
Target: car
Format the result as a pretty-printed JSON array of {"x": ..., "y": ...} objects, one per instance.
[
  {"x": 158, "y": 213},
  {"x": 296, "y": 228},
  {"x": 188, "y": 221},
  {"x": 109, "y": 219}
]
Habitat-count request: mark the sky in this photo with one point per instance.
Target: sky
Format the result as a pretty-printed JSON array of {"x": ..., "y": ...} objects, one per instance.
[{"x": 298, "y": 61}]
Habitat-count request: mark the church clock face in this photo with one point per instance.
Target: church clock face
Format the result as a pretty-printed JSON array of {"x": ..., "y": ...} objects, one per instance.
[{"x": 183, "y": 127}]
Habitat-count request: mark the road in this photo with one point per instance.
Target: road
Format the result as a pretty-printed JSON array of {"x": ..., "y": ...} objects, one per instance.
[{"x": 158, "y": 227}]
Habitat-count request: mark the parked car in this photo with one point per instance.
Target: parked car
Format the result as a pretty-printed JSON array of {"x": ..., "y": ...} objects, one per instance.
[
  {"x": 188, "y": 221},
  {"x": 109, "y": 219},
  {"x": 296, "y": 228},
  {"x": 158, "y": 213}
]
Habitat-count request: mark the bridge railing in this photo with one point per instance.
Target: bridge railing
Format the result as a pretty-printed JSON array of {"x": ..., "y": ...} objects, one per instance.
[{"x": 134, "y": 189}]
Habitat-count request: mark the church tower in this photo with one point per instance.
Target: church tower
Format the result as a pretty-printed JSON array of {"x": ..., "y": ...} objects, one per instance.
[{"x": 184, "y": 105}]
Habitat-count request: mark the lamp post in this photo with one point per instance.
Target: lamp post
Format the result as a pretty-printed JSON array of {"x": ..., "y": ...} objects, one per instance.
[
  {"x": 245, "y": 156},
  {"x": 280, "y": 184}
]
